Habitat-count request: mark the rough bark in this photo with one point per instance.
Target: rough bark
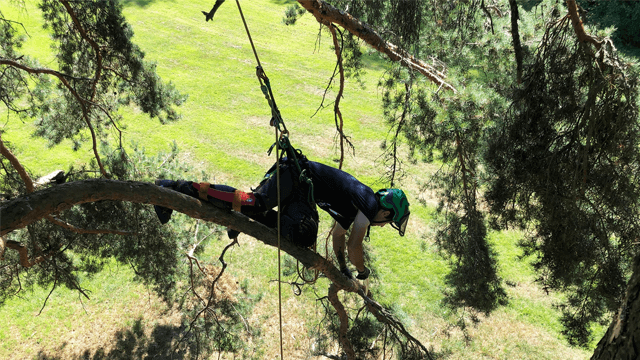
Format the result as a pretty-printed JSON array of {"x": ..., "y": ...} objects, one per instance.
[
  {"x": 20, "y": 212},
  {"x": 622, "y": 340},
  {"x": 327, "y": 14}
]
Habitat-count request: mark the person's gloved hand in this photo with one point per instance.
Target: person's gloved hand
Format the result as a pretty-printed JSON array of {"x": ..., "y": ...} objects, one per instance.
[
  {"x": 346, "y": 272},
  {"x": 363, "y": 275}
]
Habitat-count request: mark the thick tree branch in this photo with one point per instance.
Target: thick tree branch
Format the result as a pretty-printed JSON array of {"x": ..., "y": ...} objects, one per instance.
[
  {"x": 515, "y": 35},
  {"x": 578, "y": 27},
  {"x": 23, "y": 211},
  {"x": 327, "y": 14},
  {"x": 20, "y": 212}
]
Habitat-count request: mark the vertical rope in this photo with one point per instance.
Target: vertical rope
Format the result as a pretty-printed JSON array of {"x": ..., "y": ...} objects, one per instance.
[
  {"x": 279, "y": 270},
  {"x": 277, "y": 123},
  {"x": 248, "y": 34}
]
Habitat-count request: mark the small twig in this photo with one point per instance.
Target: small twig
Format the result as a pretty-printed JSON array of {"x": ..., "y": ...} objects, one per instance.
[
  {"x": 55, "y": 282},
  {"x": 246, "y": 325},
  {"x": 82, "y": 303}
]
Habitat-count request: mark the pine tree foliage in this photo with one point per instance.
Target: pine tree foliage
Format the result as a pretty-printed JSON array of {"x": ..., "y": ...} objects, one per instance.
[
  {"x": 564, "y": 161},
  {"x": 98, "y": 67},
  {"x": 556, "y": 155},
  {"x": 624, "y": 16},
  {"x": 98, "y": 70}
]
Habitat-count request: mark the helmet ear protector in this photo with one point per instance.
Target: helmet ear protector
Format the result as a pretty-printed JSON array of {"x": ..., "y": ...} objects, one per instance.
[{"x": 396, "y": 201}]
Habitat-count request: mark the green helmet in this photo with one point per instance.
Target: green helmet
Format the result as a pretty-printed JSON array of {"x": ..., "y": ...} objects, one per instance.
[{"x": 395, "y": 200}]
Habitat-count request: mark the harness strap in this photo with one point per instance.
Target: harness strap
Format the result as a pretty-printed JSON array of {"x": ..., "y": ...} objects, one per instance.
[
  {"x": 202, "y": 190},
  {"x": 237, "y": 198}
]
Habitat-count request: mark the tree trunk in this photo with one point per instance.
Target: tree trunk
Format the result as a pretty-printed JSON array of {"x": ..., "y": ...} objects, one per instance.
[{"x": 622, "y": 340}]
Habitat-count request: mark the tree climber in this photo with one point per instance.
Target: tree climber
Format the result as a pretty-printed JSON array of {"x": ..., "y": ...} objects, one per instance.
[{"x": 347, "y": 200}]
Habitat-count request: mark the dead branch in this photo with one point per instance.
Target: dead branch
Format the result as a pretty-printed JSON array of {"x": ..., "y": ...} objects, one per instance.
[
  {"x": 336, "y": 105},
  {"x": 326, "y": 14},
  {"x": 209, "y": 303},
  {"x": 387, "y": 318}
]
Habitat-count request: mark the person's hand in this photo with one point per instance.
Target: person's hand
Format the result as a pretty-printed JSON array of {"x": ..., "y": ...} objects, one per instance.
[
  {"x": 363, "y": 275},
  {"x": 346, "y": 272}
]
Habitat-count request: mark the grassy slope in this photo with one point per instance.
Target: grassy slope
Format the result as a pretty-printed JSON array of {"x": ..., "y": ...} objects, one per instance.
[{"x": 225, "y": 132}]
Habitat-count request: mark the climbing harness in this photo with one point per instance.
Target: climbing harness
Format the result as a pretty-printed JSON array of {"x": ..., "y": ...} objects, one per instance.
[{"x": 237, "y": 198}]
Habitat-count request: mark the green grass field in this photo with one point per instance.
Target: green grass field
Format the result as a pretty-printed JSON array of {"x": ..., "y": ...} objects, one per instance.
[{"x": 225, "y": 132}]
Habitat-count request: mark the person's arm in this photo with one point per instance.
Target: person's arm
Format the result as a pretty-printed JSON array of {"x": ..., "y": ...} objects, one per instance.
[
  {"x": 358, "y": 232},
  {"x": 339, "y": 240}
]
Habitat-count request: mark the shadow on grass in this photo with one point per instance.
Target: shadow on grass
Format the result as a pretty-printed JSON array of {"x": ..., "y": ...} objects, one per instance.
[
  {"x": 139, "y": 3},
  {"x": 284, "y": 2},
  {"x": 133, "y": 343}
]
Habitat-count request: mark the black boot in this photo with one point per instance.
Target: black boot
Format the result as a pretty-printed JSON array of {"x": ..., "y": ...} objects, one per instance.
[{"x": 164, "y": 214}]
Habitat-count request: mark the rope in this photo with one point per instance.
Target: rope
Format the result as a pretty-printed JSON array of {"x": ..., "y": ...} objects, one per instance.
[
  {"x": 279, "y": 237},
  {"x": 277, "y": 123},
  {"x": 276, "y": 117}
]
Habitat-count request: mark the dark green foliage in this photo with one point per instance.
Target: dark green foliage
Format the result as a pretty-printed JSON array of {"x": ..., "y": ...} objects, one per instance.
[
  {"x": 565, "y": 161},
  {"x": 292, "y": 14},
  {"x": 117, "y": 75},
  {"x": 447, "y": 129},
  {"x": 623, "y": 15},
  {"x": 363, "y": 332}
]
